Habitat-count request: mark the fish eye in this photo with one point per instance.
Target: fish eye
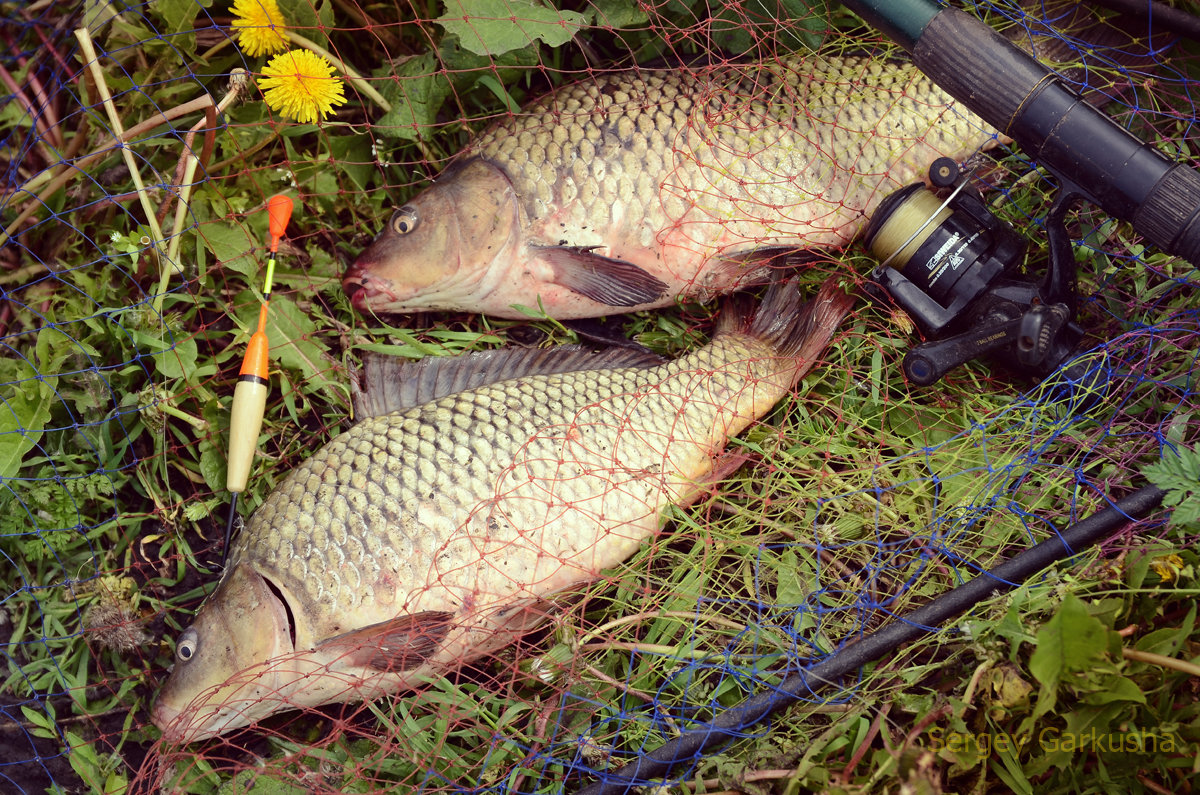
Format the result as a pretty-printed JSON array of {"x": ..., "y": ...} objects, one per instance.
[
  {"x": 185, "y": 649},
  {"x": 404, "y": 220}
]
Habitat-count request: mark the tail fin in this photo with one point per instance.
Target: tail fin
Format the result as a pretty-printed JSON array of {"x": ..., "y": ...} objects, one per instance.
[{"x": 793, "y": 328}]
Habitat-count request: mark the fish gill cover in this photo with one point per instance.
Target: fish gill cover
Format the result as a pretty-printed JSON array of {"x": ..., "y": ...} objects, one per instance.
[{"x": 141, "y": 142}]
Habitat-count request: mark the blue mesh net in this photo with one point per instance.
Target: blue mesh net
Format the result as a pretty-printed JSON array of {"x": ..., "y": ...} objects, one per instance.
[{"x": 138, "y": 156}]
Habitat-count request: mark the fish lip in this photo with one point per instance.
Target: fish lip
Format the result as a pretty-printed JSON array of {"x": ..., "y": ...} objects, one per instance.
[
  {"x": 165, "y": 718},
  {"x": 364, "y": 291}
]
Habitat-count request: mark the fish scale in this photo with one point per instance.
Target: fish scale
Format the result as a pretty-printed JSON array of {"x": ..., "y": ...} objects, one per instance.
[
  {"x": 440, "y": 526},
  {"x": 638, "y": 188},
  {"x": 706, "y": 124},
  {"x": 432, "y": 444}
]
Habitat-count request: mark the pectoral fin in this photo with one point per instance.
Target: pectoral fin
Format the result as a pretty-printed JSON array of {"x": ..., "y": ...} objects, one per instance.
[
  {"x": 398, "y": 644},
  {"x": 604, "y": 280}
]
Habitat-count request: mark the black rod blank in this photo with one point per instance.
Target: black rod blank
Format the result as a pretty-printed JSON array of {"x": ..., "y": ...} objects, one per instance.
[{"x": 733, "y": 722}]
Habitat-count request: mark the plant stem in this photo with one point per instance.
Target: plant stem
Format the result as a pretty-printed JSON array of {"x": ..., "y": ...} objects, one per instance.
[
  {"x": 1161, "y": 660},
  {"x": 181, "y": 209},
  {"x": 89, "y": 54},
  {"x": 195, "y": 422},
  {"x": 359, "y": 81}
]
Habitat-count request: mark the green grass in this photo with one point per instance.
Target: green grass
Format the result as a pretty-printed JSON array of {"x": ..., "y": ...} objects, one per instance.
[{"x": 858, "y": 490}]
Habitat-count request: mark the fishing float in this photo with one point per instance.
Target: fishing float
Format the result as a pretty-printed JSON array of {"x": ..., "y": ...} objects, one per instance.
[{"x": 250, "y": 394}]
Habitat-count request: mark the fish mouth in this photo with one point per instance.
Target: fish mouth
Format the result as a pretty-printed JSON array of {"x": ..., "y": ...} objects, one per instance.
[
  {"x": 367, "y": 292},
  {"x": 181, "y": 727},
  {"x": 166, "y": 719}
]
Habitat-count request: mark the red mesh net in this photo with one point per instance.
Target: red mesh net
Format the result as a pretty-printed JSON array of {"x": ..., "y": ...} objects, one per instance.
[{"x": 139, "y": 156}]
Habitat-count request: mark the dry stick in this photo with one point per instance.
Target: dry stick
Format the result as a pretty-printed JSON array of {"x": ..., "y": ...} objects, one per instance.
[
  {"x": 69, "y": 170},
  {"x": 185, "y": 169},
  {"x": 40, "y": 120},
  {"x": 861, "y": 751},
  {"x": 181, "y": 209},
  {"x": 1182, "y": 666},
  {"x": 93, "y": 64}
]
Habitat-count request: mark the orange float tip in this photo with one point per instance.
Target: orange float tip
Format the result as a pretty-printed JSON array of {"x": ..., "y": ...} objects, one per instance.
[
  {"x": 279, "y": 210},
  {"x": 257, "y": 362}
]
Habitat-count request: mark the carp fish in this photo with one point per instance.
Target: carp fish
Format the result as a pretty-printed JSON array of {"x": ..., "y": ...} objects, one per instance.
[
  {"x": 638, "y": 188},
  {"x": 472, "y": 491}
]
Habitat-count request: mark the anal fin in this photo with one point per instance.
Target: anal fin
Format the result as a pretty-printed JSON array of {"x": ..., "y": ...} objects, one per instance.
[
  {"x": 398, "y": 644},
  {"x": 723, "y": 465}
]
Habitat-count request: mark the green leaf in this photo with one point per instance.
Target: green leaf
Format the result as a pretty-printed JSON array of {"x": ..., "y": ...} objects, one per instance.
[
  {"x": 253, "y": 782},
  {"x": 25, "y": 413},
  {"x": 180, "y": 19},
  {"x": 212, "y": 466},
  {"x": 353, "y": 155},
  {"x": 173, "y": 357},
  {"x": 29, "y": 396},
  {"x": 464, "y": 68},
  {"x": 1069, "y": 642},
  {"x": 233, "y": 245},
  {"x": 617, "y": 13},
  {"x": 493, "y": 27},
  {"x": 416, "y": 95},
  {"x": 1115, "y": 688},
  {"x": 1178, "y": 473},
  {"x": 312, "y": 17},
  {"x": 793, "y": 586}
]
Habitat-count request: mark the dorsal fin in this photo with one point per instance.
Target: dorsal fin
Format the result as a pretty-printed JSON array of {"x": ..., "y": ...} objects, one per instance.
[{"x": 387, "y": 384}]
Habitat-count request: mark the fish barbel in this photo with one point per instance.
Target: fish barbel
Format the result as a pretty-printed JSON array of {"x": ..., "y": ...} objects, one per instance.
[
  {"x": 637, "y": 188},
  {"x": 438, "y": 528}
]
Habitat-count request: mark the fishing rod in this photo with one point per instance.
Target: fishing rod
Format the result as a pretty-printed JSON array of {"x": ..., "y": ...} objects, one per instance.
[
  {"x": 733, "y": 722},
  {"x": 250, "y": 394},
  {"x": 953, "y": 264},
  {"x": 1092, "y": 156}
]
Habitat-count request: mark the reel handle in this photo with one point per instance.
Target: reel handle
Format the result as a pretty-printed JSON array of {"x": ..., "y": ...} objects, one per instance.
[{"x": 928, "y": 362}]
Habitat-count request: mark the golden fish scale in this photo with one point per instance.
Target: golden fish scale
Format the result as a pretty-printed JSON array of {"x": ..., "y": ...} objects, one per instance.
[
  {"x": 805, "y": 139},
  {"x": 488, "y": 493}
]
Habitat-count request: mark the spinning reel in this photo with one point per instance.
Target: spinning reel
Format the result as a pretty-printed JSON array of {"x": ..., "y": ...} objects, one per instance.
[{"x": 953, "y": 267}]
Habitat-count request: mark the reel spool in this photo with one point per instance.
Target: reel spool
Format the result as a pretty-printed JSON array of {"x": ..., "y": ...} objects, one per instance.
[{"x": 952, "y": 266}]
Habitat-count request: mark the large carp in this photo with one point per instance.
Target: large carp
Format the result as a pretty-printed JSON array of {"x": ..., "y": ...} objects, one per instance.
[
  {"x": 437, "y": 528},
  {"x": 636, "y": 188}
]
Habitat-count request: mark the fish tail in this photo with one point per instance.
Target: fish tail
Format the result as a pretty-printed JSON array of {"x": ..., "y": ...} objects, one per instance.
[{"x": 793, "y": 328}]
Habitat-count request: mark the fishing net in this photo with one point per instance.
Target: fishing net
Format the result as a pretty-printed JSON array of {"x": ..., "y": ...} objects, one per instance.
[{"x": 139, "y": 153}]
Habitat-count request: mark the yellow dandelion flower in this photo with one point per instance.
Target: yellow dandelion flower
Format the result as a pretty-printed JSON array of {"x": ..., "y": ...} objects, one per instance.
[
  {"x": 259, "y": 26},
  {"x": 1167, "y": 567},
  {"x": 300, "y": 84}
]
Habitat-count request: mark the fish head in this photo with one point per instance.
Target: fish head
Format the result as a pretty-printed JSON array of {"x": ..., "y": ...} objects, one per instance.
[
  {"x": 223, "y": 677},
  {"x": 442, "y": 249}
]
